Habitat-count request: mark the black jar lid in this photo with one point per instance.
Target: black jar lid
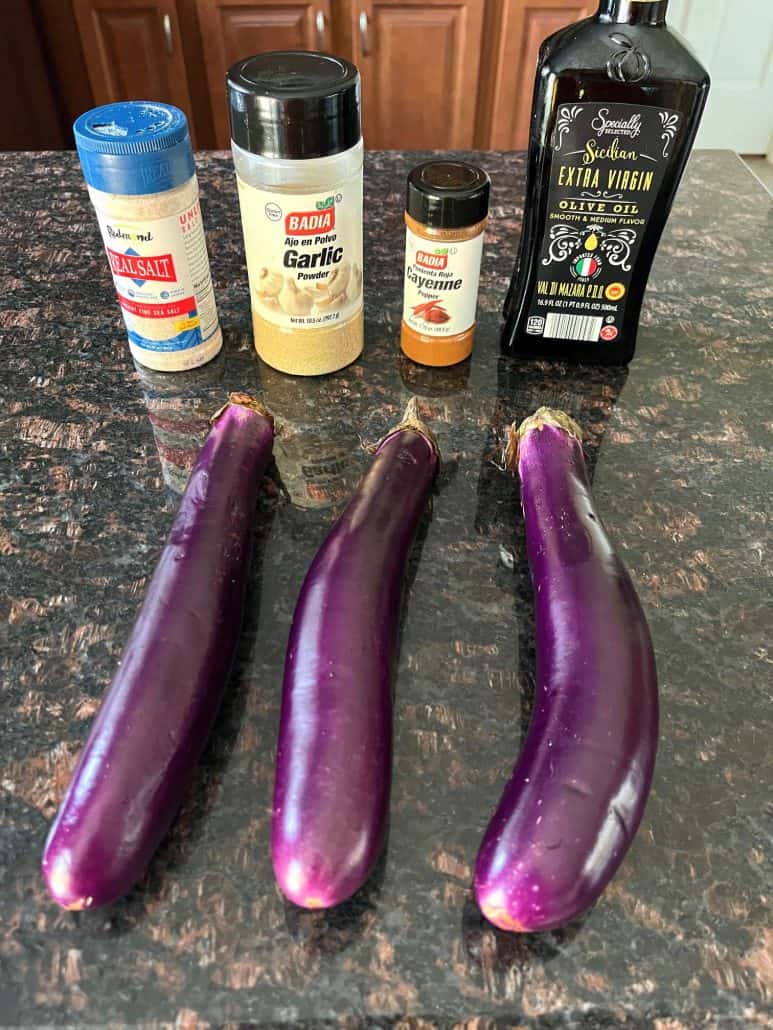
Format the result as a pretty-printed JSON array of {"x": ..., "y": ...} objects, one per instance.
[
  {"x": 447, "y": 194},
  {"x": 294, "y": 104}
]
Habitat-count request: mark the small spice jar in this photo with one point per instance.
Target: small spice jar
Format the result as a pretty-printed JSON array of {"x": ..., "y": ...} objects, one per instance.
[
  {"x": 297, "y": 149},
  {"x": 445, "y": 216},
  {"x": 138, "y": 164}
]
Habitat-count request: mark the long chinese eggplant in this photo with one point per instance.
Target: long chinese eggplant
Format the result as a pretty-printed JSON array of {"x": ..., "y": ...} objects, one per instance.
[
  {"x": 334, "y": 755},
  {"x": 156, "y": 716},
  {"x": 577, "y": 793}
]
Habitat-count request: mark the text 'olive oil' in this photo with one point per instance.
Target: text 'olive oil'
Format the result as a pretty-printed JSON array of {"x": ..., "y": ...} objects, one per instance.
[{"x": 617, "y": 102}]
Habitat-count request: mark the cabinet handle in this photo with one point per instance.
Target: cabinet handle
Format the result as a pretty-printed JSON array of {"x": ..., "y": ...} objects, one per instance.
[
  {"x": 364, "y": 34},
  {"x": 320, "y": 23},
  {"x": 167, "y": 23}
]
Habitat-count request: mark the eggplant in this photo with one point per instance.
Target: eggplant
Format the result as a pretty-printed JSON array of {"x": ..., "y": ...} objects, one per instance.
[
  {"x": 155, "y": 718},
  {"x": 577, "y": 794},
  {"x": 334, "y": 753}
]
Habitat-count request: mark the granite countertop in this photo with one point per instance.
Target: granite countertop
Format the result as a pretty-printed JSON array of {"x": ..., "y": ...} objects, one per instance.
[{"x": 681, "y": 447}]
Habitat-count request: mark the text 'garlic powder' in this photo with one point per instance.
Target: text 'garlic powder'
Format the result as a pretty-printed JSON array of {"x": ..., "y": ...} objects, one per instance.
[{"x": 297, "y": 147}]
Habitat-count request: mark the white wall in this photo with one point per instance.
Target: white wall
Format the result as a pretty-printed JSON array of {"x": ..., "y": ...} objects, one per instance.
[{"x": 734, "y": 40}]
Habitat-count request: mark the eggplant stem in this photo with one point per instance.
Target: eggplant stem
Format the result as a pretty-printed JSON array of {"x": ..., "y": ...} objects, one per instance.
[
  {"x": 411, "y": 421},
  {"x": 510, "y": 453},
  {"x": 542, "y": 417},
  {"x": 244, "y": 400},
  {"x": 550, "y": 417}
]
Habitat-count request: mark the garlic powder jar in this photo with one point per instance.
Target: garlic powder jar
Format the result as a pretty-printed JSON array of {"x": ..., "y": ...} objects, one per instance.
[
  {"x": 138, "y": 165},
  {"x": 297, "y": 149}
]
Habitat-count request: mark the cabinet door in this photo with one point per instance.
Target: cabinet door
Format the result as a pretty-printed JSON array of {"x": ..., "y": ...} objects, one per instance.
[
  {"x": 419, "y": 63},
  {"x": 232, "y": 29},
  {"x": 510, "y": 60},
  {"x": 133, "y": 51},
  {"x": 25, "y": 72}
]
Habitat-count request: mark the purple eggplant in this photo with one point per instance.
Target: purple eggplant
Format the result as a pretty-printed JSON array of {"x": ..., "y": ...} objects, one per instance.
[
  {"x": 153, "y": 723},
  {"x": 334, "y": 755},
  {"x": 577, "y": 794}
]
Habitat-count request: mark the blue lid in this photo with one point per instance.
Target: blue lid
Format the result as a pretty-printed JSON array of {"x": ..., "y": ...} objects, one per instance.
[{"x": 134, "y": 147}]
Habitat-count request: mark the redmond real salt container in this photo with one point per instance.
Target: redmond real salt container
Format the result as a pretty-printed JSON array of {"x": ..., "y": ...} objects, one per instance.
[
  {"x": 138, "y": 164},
  {"x": 297, "y": 149}
]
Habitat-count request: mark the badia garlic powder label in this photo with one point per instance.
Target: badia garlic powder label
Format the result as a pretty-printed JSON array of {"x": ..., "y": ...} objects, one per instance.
[{"x": 304, "y": 254}]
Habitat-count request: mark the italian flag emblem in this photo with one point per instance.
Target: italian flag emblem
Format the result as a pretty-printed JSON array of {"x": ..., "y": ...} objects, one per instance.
[{"x": 585, "y": 267}]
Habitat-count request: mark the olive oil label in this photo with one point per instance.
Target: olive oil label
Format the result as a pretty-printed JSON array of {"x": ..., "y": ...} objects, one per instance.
[
  {"x": 608, "y": 162},
  {"x": 304, "y": 254},
  {"x": 440, "y": 292}
]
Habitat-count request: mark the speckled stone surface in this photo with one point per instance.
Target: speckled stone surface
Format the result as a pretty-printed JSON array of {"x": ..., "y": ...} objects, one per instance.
[{"x": 681, "y": 446}]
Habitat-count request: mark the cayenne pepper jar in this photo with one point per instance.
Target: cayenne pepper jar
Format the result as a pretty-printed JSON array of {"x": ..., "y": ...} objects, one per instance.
[{"x": 445, "y": 216}]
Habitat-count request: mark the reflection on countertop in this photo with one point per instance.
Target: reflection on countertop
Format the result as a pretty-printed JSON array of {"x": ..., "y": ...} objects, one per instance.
[
  {"x": 180, "y": 406},
  {"x": 313, "y": 462},
  {"x": 681, "y": 451},
  {"x": 316, "y": 460}
]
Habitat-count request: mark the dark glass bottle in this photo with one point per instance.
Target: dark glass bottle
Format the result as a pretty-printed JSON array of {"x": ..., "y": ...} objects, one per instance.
[{"x": 617, "y": 102}]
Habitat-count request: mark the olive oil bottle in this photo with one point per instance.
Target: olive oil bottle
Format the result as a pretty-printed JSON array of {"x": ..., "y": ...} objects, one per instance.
[{"x": 617, "y": 102}]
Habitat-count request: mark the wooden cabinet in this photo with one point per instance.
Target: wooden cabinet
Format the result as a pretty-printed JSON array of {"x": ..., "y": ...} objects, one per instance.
[
  {"x": 24, "y": 75},
  {"x": 133, "y": 51},
  {"x": 232, "y": 29},
  {"x": 515, "y": 30},
  {"x": 419, "y": 63},
  {"x": 436, "y": 74}
]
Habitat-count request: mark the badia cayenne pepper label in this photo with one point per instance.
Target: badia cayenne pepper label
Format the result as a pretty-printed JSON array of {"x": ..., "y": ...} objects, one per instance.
[{"x": 441, "y": 284}]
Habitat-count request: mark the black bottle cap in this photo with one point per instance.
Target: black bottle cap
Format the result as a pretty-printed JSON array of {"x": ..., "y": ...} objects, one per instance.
[
  {"x": 294, "y": 104},
  {"x": 447, "y": 194}
]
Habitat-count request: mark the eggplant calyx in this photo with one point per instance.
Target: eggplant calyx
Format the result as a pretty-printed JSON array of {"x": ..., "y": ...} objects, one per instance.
[
  {"x": 244, "y": 400},
  {"x": 542, "y": 417},
  {"x": 550, "y": 417},
  {"x": 412, "y": 422}
]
